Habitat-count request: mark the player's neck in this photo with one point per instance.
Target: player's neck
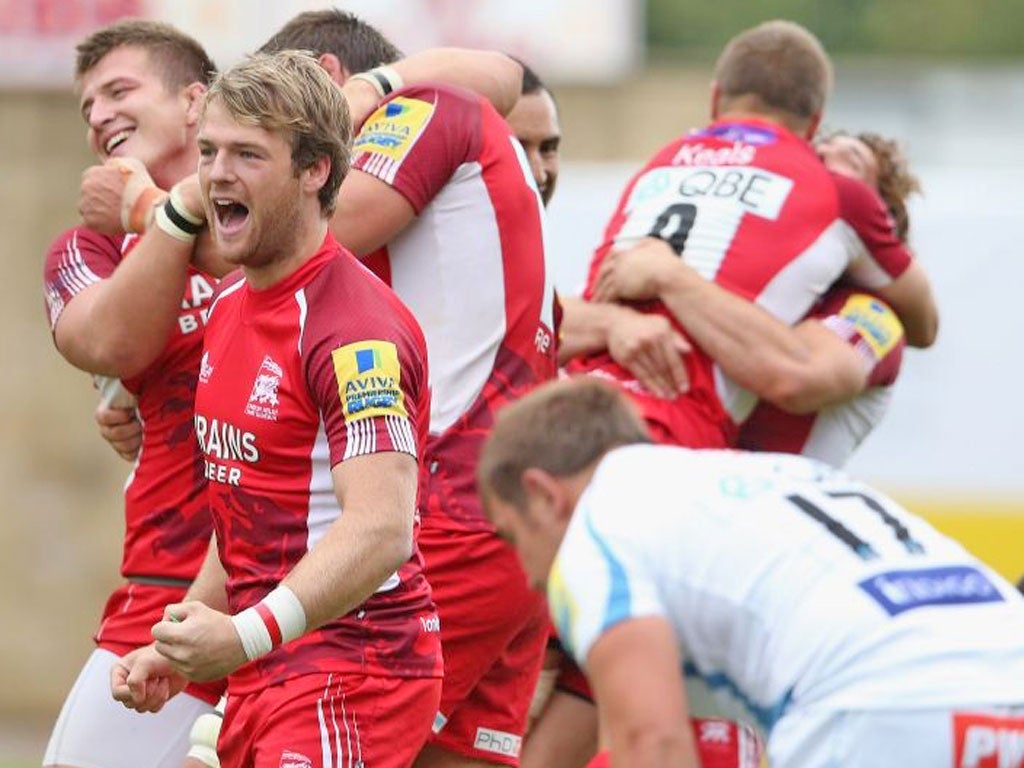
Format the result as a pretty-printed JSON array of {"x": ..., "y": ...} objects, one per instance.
[
  {"x": 175, "y": 169},
  {"x": 280, "y": 266},
  {"x": 751, "y": 108}
]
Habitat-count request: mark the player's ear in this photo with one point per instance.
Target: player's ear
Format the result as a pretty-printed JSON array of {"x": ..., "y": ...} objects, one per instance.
[
  {"x": 812, "y": 127},
  {"x": 544, "y": 491},
  {"x": 194, "y": 95},
  {"x": 716, "y": 99},
  {"x": 332, "y": 65}
]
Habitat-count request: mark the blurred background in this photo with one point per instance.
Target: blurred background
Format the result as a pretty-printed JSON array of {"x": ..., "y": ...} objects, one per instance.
[{"x": 944, "y": 77}]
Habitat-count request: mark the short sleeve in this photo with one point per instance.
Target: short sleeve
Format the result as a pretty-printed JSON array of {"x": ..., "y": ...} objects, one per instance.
[
  {"x": 600, "y": 577},
  {"x": 367, "y": 392},
  {"x": 416, "y": 141},
  {"x": 878, "y": 255},
  {"x": 75, "y": 260},
  {"x": 871, "y": 327}
]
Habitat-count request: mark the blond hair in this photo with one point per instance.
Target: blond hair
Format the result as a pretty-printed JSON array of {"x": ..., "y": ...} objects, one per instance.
[
  {"x": 289, "y": 93},
  {"x": 180, "y": 58},
  {"x": 561, "y": 427},
  {"x": 780, "y": 63}
]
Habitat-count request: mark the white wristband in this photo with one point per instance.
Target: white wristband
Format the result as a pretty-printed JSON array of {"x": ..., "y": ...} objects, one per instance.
[
  {"x": 163, "y": 221},
  {"x": 383, "y": 79},
  {"x": 276, "y": 619},
  {"x": 182, "y": 209}
]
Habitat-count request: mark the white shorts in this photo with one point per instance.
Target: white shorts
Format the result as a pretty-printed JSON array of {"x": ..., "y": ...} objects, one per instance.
[
  {"x": 94, "y": 731},
  {"x": 927, "y": 738}
]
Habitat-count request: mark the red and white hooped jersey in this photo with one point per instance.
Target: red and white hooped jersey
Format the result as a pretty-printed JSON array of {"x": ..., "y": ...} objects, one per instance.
[
  {"x": 324, "y": 366},
  {"x": 750, "y": 206},
  {"x": 470, "y": 266},
  {"x": 832, "y": 434},
  {"x": 167, "y": 516}
]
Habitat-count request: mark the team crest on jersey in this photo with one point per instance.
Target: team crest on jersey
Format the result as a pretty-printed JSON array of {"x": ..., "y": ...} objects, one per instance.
[
  {"x": 205, "y": 368},
  {"x": 390, "y": 132},
  {"x": 369, "y": 380},
  {"x": 263, "y": 400}
]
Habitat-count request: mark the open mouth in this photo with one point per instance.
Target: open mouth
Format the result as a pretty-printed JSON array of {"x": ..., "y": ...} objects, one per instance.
[
  {"x": 231, "y": 215},
  {"x": 117, "y": 140}
]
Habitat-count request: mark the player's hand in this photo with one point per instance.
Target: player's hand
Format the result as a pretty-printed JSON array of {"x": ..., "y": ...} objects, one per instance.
[
  {"x": 635, "y": 273},
  {"x": 117, "y": 196},
  {"x": 190, "y": 194},
  {"x": 198, "y": 641},
  {"x": 121, "y": 428},
  {"x": 651, "y": 349},
  {"x": 143, "y": 680}
]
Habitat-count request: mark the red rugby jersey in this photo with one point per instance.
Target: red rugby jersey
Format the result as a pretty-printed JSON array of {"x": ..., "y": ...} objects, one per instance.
[
  {"x": 750, "y": 206},
  {"x": 470, "y": 267},
  {"x": 324, "y": 366},
  {"x": 167, "y": 517}
]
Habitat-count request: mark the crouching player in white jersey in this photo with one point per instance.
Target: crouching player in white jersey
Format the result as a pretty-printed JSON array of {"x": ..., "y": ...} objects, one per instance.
[{"x": 854, "y": 633}]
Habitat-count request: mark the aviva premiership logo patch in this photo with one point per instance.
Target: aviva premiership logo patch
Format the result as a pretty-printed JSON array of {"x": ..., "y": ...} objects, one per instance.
[
  {"x": 877, "y": 324},
  {"x": 369, "y": 380},
  {"x": 392, "y": 130}
]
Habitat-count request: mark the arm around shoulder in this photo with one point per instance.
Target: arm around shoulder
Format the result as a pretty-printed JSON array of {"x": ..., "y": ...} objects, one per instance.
[{"x": 910, "y": 295}]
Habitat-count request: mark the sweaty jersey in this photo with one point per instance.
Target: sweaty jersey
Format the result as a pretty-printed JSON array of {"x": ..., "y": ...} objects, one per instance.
[
  {"x": 788, "y": 584},
  {"x": 322, "y": 367},
  {"x": 832, "y": 434},
  {"x": 470, "y": 267},
  {"x": 750, "y": 206},
  {"x": 167, "y": 518}
]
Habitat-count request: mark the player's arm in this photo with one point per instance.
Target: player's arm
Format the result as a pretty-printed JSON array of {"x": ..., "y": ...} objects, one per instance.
[
  {"x": 367, "y": 543},
  {"x": 911, "y": 297},
  {"x": 360, "y": 550},
  {"x": 645, "y": 345},
  {"x": 117, "y": 326},
  {"x": 884, "y": 265},
  {"x": 799, "y": 371},
  {"x": 634, "y": 668},
  {"x": 369, "y": 213},
  {"x": 493, "y": 75}
]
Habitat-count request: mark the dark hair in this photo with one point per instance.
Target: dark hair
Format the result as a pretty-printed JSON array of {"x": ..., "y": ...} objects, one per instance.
[
  {"x": 181, "y": 59},
  {"x": 531, "y": 80},
  {"x": 357, "y": 45},
  {"x": 561, "y": 427}
]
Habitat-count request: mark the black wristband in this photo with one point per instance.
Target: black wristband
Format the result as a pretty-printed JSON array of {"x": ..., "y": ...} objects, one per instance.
[{"x": 180, "y": 221}]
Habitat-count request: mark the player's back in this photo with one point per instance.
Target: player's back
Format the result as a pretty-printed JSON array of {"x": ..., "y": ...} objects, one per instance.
[
  {"x": 789, "y": 584},
  {"x": 470, "y": 266}
]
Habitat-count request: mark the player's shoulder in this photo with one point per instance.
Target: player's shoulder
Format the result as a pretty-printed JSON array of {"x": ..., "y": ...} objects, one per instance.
[
  {"x": 80, "y": 240},
  {"x": 857, "y": 200},
  {"x": 345, "y": 299}
]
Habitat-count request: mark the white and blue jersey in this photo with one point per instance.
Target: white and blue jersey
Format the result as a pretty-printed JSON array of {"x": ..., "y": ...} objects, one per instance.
[{"x": 788, "y": 584}]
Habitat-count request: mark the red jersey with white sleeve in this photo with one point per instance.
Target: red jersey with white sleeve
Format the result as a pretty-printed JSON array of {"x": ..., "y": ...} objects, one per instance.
[
  {"x": 748, "y": 204},
  {"x": 167, "y": 516},
  {"x": 832, "y": 434},
  {"x": 324, "y": 366},
  {"x": 470, "y": 267}
]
